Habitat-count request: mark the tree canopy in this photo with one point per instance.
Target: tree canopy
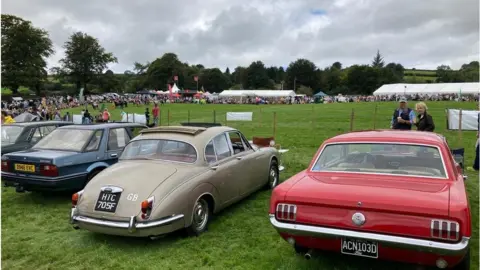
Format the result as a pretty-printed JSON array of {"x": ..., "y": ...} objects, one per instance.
[{"x": 24, "y": 52}]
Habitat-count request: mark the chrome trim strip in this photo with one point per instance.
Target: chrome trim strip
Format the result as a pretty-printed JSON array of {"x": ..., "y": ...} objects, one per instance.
[
  {"x": 112, "y": 189},
  {"x": 126, "y": 225},
  {"x": 459, "y": 248},
  {"x": 371, "y": 142}
]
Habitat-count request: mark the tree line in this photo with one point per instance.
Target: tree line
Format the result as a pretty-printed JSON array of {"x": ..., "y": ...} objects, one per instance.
[{"x": 25, "y": 49}]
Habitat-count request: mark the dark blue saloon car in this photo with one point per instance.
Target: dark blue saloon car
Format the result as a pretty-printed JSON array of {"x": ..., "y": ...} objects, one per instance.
[{"x": 68, "y": 157}]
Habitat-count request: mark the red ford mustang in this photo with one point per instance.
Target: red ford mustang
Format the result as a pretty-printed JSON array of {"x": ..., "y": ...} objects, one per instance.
[{"x": 394, "y": 195}]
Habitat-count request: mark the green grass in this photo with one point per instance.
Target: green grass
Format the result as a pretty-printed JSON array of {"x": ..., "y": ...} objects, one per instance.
[{"x": 36, "y": 233}]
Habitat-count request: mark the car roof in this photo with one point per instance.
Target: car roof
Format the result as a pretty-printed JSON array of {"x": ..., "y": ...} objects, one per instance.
[
  {"x": 40, "y": 123},
  {"x": 395, "y": 136},
  {"x": 195, "y": 135},
  {"x": 104, "y": 126}
]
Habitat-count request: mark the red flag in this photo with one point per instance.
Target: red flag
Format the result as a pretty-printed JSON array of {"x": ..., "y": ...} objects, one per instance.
[
  {"x": 195, "y": 78},
  {"x": 175, "y": 78}
]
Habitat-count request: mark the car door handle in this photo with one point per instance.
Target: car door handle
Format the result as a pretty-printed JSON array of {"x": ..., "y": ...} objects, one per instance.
[
  {"x": 113, "y": 155},
  {"x": 214, "y": 168},
  {"x": 239, "y": 158}
]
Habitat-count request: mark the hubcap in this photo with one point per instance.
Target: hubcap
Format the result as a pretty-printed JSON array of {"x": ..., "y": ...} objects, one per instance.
[
  {"x": 273, "y": 177},
  {"x": 200, "y": 215}
]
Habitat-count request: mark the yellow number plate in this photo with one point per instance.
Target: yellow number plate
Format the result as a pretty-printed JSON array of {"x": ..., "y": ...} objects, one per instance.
[{"x": 24, "y": 167}]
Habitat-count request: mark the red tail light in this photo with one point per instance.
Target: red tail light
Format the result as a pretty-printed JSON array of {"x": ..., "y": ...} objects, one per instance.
[
  {"x": 287, "y": 212},
  {"x": 5, "y": 166},
  {"x": 75, "y": 198},
  {"x": 49, "y": 170},
  {"x": 147, "y": 207},
  {"x": 445, "y": 229}
]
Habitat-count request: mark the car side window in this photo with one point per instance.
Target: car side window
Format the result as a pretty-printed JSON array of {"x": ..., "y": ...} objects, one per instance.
[
  {"x": 117, "y": 139},
  {"x": 37, "y": 135},
  {"x": 210, "y": 156},
  {"x": 222, "y": 149},
  {"x": 237, "y": 142},
  {"x": 94, "y": 143},
  {"x": 45, "y": 130}
]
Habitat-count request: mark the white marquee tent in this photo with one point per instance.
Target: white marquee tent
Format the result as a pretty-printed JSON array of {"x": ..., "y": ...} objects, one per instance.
[
  {"x": 429, "y": 88},
  {"x": 259, "y": 93}
]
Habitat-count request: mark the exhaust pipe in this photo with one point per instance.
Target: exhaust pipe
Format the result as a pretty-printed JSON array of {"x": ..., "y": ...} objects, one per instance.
[
  {"x": 308, "y": 255},
  {"x": 20, "y": 189},
  {"x": 76, "y": 227}
]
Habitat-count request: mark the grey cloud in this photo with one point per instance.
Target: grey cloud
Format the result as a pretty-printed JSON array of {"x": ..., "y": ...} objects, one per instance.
[{"x": 410, "y": 32}]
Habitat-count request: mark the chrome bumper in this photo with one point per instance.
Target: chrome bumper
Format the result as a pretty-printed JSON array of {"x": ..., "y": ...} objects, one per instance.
[
  {"x": 385, "y": 240},
  {"x": 132, "y": 225}
]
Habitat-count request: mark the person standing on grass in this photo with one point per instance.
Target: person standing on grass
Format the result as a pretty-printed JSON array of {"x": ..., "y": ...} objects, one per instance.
[
  {"x": 155, "y": 112},
  {"x": 403, "y": 116},
  {"x": 147, "y": 116},
  {"x": 424, "y": 121},
  {"x": 105, "y": 115}
]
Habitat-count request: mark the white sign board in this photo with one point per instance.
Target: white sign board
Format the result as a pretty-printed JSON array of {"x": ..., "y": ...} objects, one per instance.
[
  {"x": 239, "y": 116},
  {"x": 469, "y": 119},
  {"x": 134, "y": 118},
  {"x": 77, "y": 119}
]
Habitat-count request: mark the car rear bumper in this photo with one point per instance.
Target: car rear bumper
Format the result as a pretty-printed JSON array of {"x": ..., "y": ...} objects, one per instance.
[
  {"x": 420, "y": 245},
  {"x": 36, "y": 182},
  {"x": 130, "y": 228}
]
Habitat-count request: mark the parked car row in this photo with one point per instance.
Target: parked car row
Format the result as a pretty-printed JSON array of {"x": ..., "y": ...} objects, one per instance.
[{"x": 372, "y": 194}]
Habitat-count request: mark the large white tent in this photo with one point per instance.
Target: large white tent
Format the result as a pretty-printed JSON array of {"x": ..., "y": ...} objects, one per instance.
[
  {"x": 259, "y": 93},
  {"x": 428, "y": 88}
]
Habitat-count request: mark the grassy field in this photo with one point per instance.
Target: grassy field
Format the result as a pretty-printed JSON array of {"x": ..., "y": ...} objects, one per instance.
[{"x": 36, "y": 232}]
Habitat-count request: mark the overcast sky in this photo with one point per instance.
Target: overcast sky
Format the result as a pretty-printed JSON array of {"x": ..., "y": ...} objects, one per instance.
[{"x": 229, "y": 33}]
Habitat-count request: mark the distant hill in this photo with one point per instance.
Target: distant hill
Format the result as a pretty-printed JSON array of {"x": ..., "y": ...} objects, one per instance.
[{"x": 420, "y": 76}]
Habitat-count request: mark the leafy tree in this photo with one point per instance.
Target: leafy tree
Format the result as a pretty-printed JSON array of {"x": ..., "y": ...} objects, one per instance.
[
  {"x": 301, "y": 72},
  {"x": 162, "y": 71},
  {"x": 378, "y": 60},
  {"x": 84, "y": 59},
  {"x": 24, "y": 50},
  {"x": 257, "y": 77}
]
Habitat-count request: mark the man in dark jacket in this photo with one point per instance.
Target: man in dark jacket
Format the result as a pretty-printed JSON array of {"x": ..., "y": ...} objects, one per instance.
[{"x": 403, "y": 116}]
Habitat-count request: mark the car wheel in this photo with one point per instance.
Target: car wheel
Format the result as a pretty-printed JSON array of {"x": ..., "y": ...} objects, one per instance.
[
  {"x": 273, "y": 176},
  {"x": 465, "y": 263},
  {"x": 200, "y": 217}
]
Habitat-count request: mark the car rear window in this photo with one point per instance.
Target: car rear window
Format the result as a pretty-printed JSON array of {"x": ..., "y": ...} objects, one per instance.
[
  {"x": 159, "y": 149},
  {"x": 380, "y": 158}
]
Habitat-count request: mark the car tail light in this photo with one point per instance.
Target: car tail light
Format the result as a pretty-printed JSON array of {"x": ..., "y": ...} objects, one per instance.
[
  {"x": 49, "y": 170},
  {"x": 286, "y": 212},
  {"x": 147, "y": 207},
  {"x": 445, "y": 229},
  {"x": 76, "y": 197},
  {"x": 5, "y": 166}
]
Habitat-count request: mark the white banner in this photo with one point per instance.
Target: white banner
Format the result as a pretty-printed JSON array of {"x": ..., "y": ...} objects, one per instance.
[
  {"x": 469, "y": 119},
  {"x": 134, "y": 118},
  {"x": 239, "y": 116},
  {"x": 77, "y": 119}
]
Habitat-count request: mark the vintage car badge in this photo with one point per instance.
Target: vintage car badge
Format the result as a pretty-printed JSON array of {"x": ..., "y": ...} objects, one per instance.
[{"x": 358, "y": 219}]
